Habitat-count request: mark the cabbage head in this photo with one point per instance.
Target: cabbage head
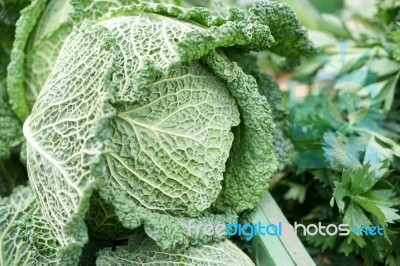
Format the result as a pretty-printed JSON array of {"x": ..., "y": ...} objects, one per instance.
[{"x": 147, "y": 120}]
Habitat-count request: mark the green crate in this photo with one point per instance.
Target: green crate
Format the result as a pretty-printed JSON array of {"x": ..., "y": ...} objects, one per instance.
[{"x": 276, "y": 250}]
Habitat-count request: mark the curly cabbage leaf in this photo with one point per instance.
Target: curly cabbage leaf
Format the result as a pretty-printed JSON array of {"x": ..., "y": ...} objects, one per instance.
[
  {"x": 43, "y": 46},
  {"x": 290, "y": 37},
  {"x": 69, "y": 150},
  {"x": 15, "y": 70},
  {"x": 25, "y": 236},
  {"x": 10, "y": 131},
  {"x": 142, "y": 250},
  {"x": 11, "y": 172},
  {"x": 252, "y": 161},
  {"x": 41, "y": 32},
  {"x": 51, "y": 30},
  {"x": 140, "y": 107},
  {"x": 9, "y": 13},
  {"x": 168, "y": 231},
  {"x": 282, "y": 145}
]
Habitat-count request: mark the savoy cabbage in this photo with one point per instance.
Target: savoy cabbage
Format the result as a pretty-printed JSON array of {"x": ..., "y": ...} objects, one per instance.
[{"x": 141, "y": 117}]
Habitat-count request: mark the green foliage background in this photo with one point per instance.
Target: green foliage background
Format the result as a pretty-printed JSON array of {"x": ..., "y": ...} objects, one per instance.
[{"x": 344, "y": 120}]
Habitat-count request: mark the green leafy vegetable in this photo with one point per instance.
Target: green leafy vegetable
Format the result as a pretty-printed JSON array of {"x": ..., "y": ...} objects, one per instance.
[
  {"x": 15, "y": 75},
  {"x": 153, "y": 124},
  {"x": 139, "y": 119},
  {"x": 40, "y": 33},
  {"x": 10, "y": 132},
  {"x": 25, "y": 236},
  {"x": 357, "y": 185},
  {"x": 142, "y": 250}
]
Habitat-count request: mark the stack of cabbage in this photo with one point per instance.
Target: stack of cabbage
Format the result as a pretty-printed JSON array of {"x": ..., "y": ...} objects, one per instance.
[{"x": 139, "y": 118}]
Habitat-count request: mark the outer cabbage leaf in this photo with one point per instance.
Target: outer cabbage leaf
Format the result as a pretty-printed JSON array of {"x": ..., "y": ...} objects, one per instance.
[
  {"x": 282, "y": 145},
  {"x": 169, "y": 232},
  {"x": 252, "y": 161},
  {"x": 51, "y": 30},
  {"x": 11, "y": 172},
  {"x": 169, "y": 152},
  {"x": 10, "y": 130},
  {"x": 15, "y": 70},
  {"x": 60, "y": 163},
  {"x": 291, "y": 39},
  {"x": 43, "y": 46},
  {"x": 41, "y": 32},
  {"x": 25, "y": 236},
  {"x": 9, "y": 13},
  {"x": 102, "y": 222},
  {"x": 142, "y": 251}
]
